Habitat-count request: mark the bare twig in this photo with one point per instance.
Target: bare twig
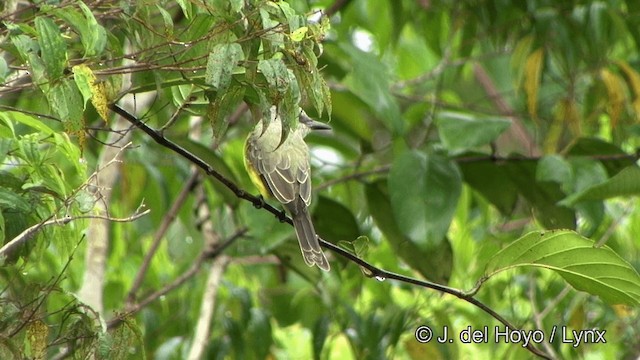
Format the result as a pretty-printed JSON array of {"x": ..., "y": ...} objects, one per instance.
[
  {"x": 33, "y": 230},
  {"x": 177, "y": 282},
  {"x": 201, "y": 336},
  {"x": 538, "y": 316},
  {"x": 336, "y": 6},
  {"x": 168, "y": 218}
]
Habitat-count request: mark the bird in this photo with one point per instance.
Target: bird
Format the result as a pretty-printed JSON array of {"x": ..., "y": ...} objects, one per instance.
[{"x": 279, "y": 167}]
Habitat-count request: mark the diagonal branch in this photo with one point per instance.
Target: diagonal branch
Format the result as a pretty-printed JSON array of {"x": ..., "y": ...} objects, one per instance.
[{"x": 373, "y": 271}]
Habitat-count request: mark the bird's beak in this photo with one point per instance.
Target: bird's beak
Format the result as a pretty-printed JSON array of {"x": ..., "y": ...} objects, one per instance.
[{"x": 312, "y": 124}]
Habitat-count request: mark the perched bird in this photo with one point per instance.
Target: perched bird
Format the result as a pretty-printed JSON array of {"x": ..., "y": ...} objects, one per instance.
[{"x": 281, "y": 169}]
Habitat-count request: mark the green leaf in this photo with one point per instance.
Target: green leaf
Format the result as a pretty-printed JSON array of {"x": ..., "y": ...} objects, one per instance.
[
  {"x": 187, "y": 9},
  {"x": 543, "y": 196},
  {"x": 65, "y": 99},
  {"x": 4, "y": 69},
  {"x": 9, "y": 199},
  {"x": 166, "y": 18},
  {"x": 259, "y": 333},
  {"x": 27, "y": 120},
  {"x": 596, "y": 270},
  {"x": 223, "y": 104},
  {"x": 92, "y": 35},
  {"x": 554, "y": 168},
  {"x": 625, "y": 183},
  {"x": 276, "y": 74},
  {"x": 598, "y": 147},
  {"x": 424, "y": 192},
  {"x": 25, "y": 46},
  {"x": 84, "y": 79},
  {"x": 369, "y": 80},
  {"x": 320, "y": 331},
  {"x": 220, "y": 65},
  {"x": 492, "y": 182},
  {"x": 434, "y": 263},
  {"x": 52, "y": 47},
  {"x": 333, "y": 221},
  {"x": 460, "y": 131}
]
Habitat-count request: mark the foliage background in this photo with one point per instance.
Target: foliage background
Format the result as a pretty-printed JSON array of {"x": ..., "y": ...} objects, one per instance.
[{"x": 458, "y": 127}]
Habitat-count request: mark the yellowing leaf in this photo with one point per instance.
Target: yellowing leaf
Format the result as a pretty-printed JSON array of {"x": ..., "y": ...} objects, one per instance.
[
  {"x": 572, "y": 116},
  {"x": 85, "y": 79},
  {"x": 298, "y": 34},
  {"x": 37, "y": 332},
  {"x": 616, "y": 93},
  {"x": 566, "y": 114},
  {"x": 532, "y": 71},
  {"x": 519, "y": 58},
  {"x": 633, "y": 79},
  {"x": 99, "y": 100}
]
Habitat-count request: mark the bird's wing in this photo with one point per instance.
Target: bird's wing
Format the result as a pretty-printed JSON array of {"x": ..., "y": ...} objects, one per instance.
[{"x": 287, "y": 175}]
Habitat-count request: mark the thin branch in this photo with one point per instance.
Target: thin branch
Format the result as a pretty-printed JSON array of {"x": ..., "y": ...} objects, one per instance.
[
  {"x": 168, "y": 218},
  {"x": 355, "y": 176},
  {"x": 374, "y": 271},
  {"x": 177, "y": 282},
  {"x": 538, "y": 316},
  {"x": 33, "y": 230},
  {"x": 203, "y": 328},
  {"x": 336, "y": 6}
]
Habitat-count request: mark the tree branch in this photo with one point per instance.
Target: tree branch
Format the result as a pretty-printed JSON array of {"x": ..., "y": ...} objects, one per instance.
[
  {"x": 168, "y": 218},
  {"x": 177, "y": 282},
  {"x": 374, "y": 271},
  {"x": 33, "y": 230}
]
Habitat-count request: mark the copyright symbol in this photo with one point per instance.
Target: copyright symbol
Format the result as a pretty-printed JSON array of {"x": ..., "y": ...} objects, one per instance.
[{"x": 423, "y": 334}]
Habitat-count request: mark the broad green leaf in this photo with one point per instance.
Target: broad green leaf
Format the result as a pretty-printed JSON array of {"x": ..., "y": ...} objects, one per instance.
[
  {"x": 492, "y": 181},
  {"x": 9, "y": 199},
  {"x": 65, "y": 99},
  {"x": 223, "y": 104},
  {"x": 52, "y": 47},
  {"x": 599, "y": 147},
  {"x": 25, "y": 46},
  {"x": 236, "y": 5},
  {"x": 596, "y": 270},
  {"x": 587, "y": 172},
  {"x": 92, "y": 35},
  {"x": 460, "y": 131},
  {"x": 276, "y": 73},
  {"x": 94, "y": 38},
  {"x": 555, "y": 168},
  {"x": 369, "y": 80},
  {"x": 27, "y": 120},
  {"x": 333, "y": 221},
  {"x": 543, "y": 196},
  {"x": 424, "y": 191},
  {"x": 625, "y": 183},
  {"x": 220, "y": 65},
  {"x": 187, "y": 8},
  {"x": 166, "y": 18},
  {"x": 434, "y": 263}
]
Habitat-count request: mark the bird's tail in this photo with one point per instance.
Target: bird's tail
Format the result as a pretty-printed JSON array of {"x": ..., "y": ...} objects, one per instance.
[{"x": 307, "y": 237}]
